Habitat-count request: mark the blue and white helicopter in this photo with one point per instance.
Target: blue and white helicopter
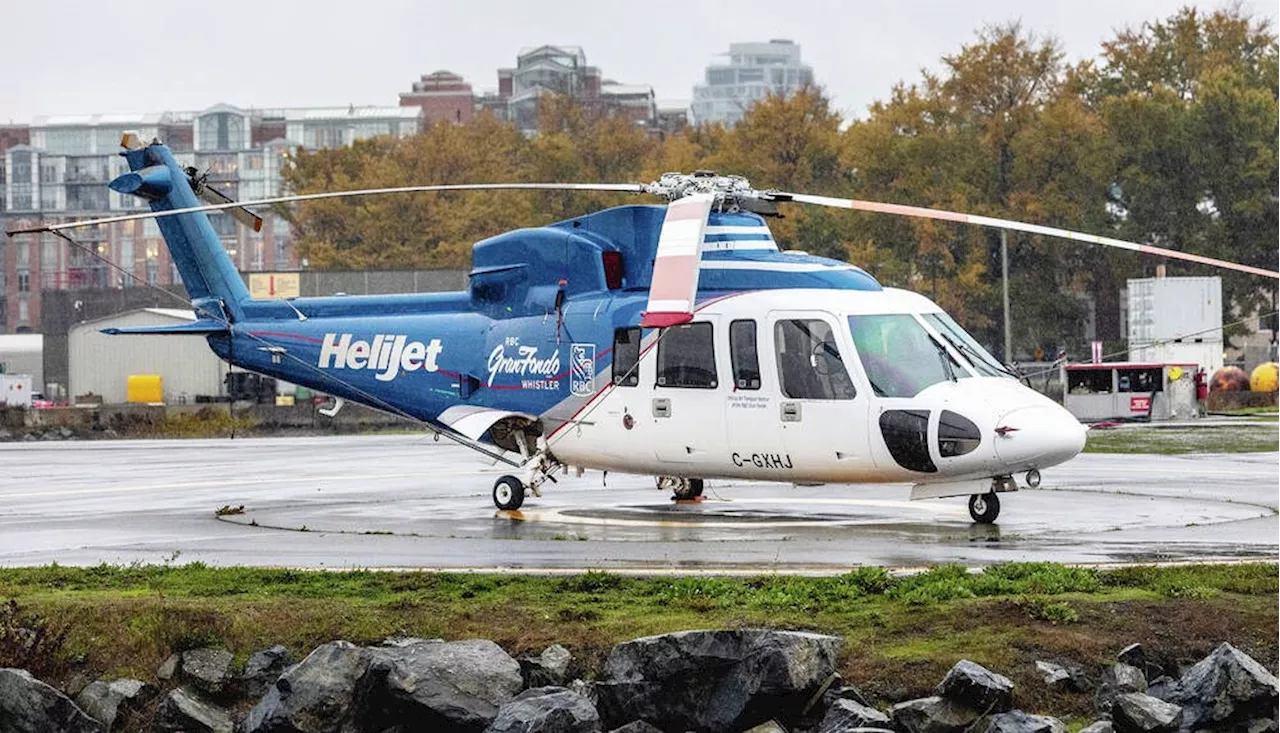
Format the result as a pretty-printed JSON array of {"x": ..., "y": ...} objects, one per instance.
[{"x": 675, "y": 341}]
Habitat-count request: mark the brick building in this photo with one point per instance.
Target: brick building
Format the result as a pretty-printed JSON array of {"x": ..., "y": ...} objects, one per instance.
[{"x": 443, "y": 96}]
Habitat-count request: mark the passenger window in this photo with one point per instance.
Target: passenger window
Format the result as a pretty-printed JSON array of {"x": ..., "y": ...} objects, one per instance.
[
  {"x": 626, "y": 357},
  {"x": 686, "y": 357},
  {"x": 809, "y": 363},
  {"x": 746, "y": 360}
]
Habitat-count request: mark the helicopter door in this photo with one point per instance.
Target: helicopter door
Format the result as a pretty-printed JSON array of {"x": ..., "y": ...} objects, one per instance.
[
  {"x": 823, "y": 416},
  {"x": 751, "y": 404},
  {"x": 688, "y": 397}
]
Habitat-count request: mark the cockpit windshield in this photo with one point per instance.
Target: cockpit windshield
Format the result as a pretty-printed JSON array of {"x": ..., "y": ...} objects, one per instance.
[
  {"x": 960, "y": 340},
  {"x": 900, "y": 357}
]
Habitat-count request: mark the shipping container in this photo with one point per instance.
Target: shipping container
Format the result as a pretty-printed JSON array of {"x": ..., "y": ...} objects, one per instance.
[{"x": 1176, "y": 320}]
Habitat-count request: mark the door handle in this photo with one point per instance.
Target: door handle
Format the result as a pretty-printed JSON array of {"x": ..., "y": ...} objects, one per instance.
[
  {"x": 661, "y": 407},
  {"x": 790, "y": 412}
]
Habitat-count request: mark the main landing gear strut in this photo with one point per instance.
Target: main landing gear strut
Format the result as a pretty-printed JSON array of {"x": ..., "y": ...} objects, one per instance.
[{"x": 681, "y": 488}]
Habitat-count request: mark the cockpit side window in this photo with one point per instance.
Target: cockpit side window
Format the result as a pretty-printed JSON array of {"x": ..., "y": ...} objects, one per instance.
[
  {"x": 809, "y": 363},
  {"x": 746, "y": 359},
  {"x": 900, "y": 356}
]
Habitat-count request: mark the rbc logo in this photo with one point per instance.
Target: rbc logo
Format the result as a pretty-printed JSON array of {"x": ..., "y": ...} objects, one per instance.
[{"x": 582, "y": 369}]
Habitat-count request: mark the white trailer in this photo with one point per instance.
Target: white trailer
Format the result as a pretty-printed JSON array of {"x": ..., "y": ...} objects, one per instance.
[{"x": 15, "y": 390}]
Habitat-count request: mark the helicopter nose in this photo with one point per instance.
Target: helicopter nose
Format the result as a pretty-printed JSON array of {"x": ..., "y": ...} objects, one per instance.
[{"x": 1038, "y": 436}]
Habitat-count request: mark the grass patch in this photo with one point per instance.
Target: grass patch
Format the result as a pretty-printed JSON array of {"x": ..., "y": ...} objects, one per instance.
[
  {"x": 902, "y": 633},
  {"x": 1216, "y": 439}
]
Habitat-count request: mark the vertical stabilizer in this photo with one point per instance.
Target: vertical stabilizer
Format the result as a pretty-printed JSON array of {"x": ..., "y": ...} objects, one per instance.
[{"x": 207, "y": 272}]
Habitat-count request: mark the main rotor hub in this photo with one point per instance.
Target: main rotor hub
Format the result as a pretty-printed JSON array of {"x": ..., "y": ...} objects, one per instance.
[{"x": 732, "y": 193}]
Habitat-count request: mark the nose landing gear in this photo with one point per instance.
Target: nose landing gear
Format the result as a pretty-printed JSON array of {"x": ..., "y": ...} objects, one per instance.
[{"x": 984, "y": 508}]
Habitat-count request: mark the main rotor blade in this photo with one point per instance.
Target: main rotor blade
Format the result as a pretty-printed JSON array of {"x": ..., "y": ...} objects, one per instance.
[
  {"x": 674, "y": 286},
  {"x": 614, "y": 187},
  {"x": 987, "y": 221}
]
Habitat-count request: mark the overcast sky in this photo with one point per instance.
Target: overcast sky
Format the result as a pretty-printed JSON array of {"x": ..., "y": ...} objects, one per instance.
[{"x": 86, "y": 56}]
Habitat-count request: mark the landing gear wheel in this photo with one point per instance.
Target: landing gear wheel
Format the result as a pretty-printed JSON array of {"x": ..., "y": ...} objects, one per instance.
[
  {"x": 984, "y": 508},
  {"x": 508, "y": 493},
  {"x": 690, "y": 488}
]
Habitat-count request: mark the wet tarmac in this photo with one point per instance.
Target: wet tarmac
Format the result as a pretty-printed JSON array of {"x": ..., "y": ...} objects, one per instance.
[{"x": 406, "y": 501}]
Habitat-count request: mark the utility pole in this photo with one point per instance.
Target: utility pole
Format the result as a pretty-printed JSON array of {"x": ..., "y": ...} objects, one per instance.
[{"x": 1004, "y": 277}]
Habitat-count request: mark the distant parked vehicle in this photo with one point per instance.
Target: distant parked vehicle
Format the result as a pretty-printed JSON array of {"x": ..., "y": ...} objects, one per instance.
[{"x": 38, "y": 400}]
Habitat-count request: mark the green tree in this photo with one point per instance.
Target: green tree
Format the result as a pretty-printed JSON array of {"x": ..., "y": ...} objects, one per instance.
[{"x": 1191, "y": 104}]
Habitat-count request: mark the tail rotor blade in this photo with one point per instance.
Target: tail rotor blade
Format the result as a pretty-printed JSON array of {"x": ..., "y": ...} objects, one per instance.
[
  {"x": 1017, "y": 226},
  {"x": 211, "y": 195}
]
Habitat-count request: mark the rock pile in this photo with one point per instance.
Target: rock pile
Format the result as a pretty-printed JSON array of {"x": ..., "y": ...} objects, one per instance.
[{"x": 754, "y": 680}]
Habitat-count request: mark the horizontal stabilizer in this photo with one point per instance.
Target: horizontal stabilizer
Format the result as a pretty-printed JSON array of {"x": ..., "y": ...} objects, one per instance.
[{"x": 195, "y": 328}]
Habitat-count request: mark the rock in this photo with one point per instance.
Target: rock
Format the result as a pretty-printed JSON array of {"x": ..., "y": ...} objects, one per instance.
[
  {"x": 1064, "y": 678},
  {"x": 28, "y": 705},
  {"x": 1016, "y": 721},
  {"x": 400, "y": 642},
  {"x": 66, "y": 433},
  {"x": 1134, "y": 656},
  {"x": 768, "y": 726},
  {"x": 208, "y": 670},
  {"x": 1137, "y": 712},
  {"x": 1226, "y": 687},
  {"x": 1117, "y": 680},
  {"x": 1164, "y": 688},
  {"x": 843, "y": 692},
  {"x": 1101, "y": 726},
  {"x": 455, "y": 683},
  {"x": 932, "y": 715},
  {"x": 263, "y": 669},
  {"x": 977, "y": 687},
  {"x": 714, "y": 680},
  {"x": 546, "y": 710},
  {"x": 182, "y": 711},
  {"x": 169, "y": 668},
  {"x": 637, "y": 726},
  {"x": 101, "y": 700},
  {"x": 321, "y": 693},
  {"x": 846, "y": 715},
  {"x": 551, "y": 667},
  {"x": 1261, "y": 725},
  {"x": 586, "y": 689}
]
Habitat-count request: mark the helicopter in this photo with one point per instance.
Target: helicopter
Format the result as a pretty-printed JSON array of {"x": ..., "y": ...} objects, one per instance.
[{"x": 675, "y": 340}]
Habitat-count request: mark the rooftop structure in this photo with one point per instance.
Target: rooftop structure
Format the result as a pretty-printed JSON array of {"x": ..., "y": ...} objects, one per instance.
[
  {"x": 754, "y": 71},
  {"x": 563, "y": 70}
]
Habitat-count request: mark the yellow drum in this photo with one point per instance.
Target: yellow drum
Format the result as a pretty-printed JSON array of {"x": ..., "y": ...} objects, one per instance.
[{"x": 1265, "y": 378}]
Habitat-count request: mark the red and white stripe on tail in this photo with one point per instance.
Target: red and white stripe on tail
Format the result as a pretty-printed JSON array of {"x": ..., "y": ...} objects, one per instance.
[{"x": 675, "y": 270}]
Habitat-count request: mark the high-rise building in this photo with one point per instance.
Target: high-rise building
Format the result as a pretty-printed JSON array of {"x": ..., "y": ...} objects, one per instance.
[
  {"x": 563, "y": 70},
  {"x": 754, "y": 71},
  {"x": 443, "y": 96},
  {"x": 57, "y": 169}
]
